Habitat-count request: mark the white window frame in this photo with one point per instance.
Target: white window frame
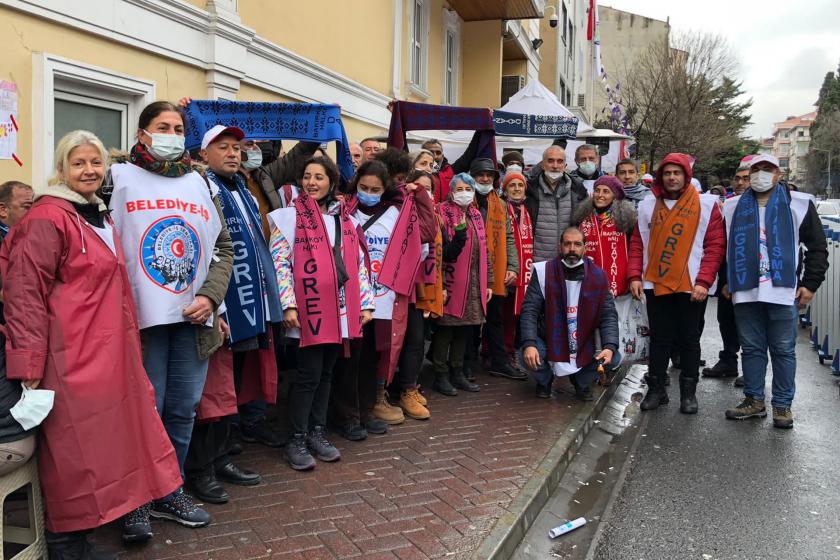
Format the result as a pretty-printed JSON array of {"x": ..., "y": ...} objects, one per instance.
[
  {"x": 55, "y": 77},
  {"x": 451, "y": 81},
  {"x": 419, "y": 54}
]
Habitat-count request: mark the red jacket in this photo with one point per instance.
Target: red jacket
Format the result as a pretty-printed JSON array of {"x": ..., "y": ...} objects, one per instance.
[
  {"x": 441, "y": 181},
  {"x": 714, "y": 242},
  {"x": 71, "y": 323}
]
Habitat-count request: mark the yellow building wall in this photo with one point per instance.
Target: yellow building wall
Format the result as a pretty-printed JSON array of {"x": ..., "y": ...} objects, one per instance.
[
  {"x": 548, "y": 54},
  {"x": 351, "y": 37},
  {"x": 481, "y": 61},
  {"x": 515, "y": 68},
  {"x": 198, "y": 3},
  {"x": 27, "y": 35}
]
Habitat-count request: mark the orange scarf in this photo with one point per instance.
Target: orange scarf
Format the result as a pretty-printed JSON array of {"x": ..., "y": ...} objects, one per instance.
[
  {"x": 430, "y": 296},
  {"x": 497, "y": 242},
  {"x": 671, "y": 239}
]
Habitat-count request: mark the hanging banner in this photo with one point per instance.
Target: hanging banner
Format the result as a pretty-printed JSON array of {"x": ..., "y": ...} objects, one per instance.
[
  {"x": 8, "y": 119},
  {"x": 538, "y": 126}
]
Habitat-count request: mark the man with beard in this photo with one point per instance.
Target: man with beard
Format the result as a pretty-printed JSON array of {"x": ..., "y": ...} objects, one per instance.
[{"x": 567, "y": 299}]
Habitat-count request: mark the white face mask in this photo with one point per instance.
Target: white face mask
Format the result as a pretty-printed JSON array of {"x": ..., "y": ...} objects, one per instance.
[
  {"x": 254, "y": 159},
  {"x": 484, "y": 189},
  {"x": 761, "y": 181},
  {"x": 513, "y": 168},
  {"x": 574, "y": 264},
  {"x": 33, "y": 407},
  {"x": 166, "y": 147},
  {"x": 463, "y": 198},
  {"x": 553, "y": 175},
  {"x": 587, "y": 167}
]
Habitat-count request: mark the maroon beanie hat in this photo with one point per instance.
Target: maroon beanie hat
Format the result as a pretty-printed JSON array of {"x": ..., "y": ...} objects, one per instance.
[{"x": 614, "y": 183}]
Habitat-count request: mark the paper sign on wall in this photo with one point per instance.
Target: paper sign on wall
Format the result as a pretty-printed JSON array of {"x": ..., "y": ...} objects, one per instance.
[{"x": 8, "y": 119}]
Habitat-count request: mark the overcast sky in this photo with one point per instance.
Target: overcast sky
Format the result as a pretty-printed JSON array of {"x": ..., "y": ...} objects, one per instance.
[{"x": 784, "y": 48}]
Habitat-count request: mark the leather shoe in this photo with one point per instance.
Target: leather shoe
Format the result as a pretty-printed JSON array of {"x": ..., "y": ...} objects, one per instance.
[
  {"x": 206, "y": 488},
  {"x": 234, "y": 475}
]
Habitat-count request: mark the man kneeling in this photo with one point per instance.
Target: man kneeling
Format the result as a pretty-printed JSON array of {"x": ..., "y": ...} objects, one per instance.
[{"x": 567, "y": 299}]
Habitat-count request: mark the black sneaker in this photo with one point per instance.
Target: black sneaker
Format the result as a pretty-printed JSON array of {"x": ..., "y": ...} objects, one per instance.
[
  {"x": 261, "y": 432},
  {"x": 506, "y": 371},
  {"x": 543, "y": 391},
  {"x": 376, "y": 426},
  {"x": 297, "y": 454},
  {"x": 136, "y": 525},
  {"x": 584, "y": 394},
  {"x": 317, "y": 443},
  {"x": 351, "y": 431},
  {"x": 739, "y": 381},
  {"x": 181, "y": 509}
]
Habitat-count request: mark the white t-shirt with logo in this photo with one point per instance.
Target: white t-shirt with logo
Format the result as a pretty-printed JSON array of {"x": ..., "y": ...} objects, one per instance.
[{"x": 572, "y": 298}]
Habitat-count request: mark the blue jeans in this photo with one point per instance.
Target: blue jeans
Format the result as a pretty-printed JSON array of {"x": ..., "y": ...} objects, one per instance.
[
  {"x": 544, "y": 375},
  {"x": 170, "y": 356},
  {"x": 762, "y": 327}
]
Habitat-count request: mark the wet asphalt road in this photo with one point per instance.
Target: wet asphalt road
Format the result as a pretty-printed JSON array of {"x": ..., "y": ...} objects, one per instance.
[
  {"x": 669, "y": 487},
  {"x": 709, "y": 488}
]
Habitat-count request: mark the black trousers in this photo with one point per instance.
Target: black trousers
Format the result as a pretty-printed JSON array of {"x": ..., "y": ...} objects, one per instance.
[
  {"x": 675, "y": 320},
  {"x": 494, "y": 332},
  {"x": 310, "y": 392},
  {"x": 353, "y": 392},
  {"x": 448, "y": 347},
  {"x": 209, "y": 447},
  {"x": 728, "y": 332},
  {"x": 411, "y": 355},
  {"x": 210, "y": 442}
]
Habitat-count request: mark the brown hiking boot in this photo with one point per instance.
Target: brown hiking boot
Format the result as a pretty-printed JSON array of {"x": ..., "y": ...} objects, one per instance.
[
  {"x": 749, "y": 408},
  {"x": 412, "y": 406},
  {"x": 782, "y": 417},
  {"x": 421, "y": 398},
  {"x": 384, "y": 411}
]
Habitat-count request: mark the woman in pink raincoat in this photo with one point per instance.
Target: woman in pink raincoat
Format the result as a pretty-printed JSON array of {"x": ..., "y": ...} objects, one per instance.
[{"x": 102, "y": 452}]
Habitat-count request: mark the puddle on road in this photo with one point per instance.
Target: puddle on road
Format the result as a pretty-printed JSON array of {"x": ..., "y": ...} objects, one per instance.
[{"x": 593, "y": 493}]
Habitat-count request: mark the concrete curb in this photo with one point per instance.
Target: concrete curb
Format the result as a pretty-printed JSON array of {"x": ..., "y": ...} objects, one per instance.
[{"x": 510, "y": 529}]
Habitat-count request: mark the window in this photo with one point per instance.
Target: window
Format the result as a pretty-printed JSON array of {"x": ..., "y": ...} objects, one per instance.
[
  {"x": 571, "y": 41},
  {"x": 451, "y": 50},
  {"x": 801, "y": 133},
  {"x": 562, "y": 91},
  {"x": 418, "y": 68},
  {"x": 565, "y": 23},
  {"x": 69, "y": 95}
]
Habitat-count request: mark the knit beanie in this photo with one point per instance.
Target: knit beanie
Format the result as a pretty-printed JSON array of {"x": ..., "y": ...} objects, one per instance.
[{"x": 614, "y": 184}]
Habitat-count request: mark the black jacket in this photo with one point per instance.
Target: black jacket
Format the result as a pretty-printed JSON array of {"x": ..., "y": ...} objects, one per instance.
[
  {"x": 532, "y": 195},
  {"x": 532, "y": 320}
]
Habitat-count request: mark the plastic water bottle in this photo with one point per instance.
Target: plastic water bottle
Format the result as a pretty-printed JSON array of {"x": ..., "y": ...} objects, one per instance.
[{"x": 567, "y": 527}]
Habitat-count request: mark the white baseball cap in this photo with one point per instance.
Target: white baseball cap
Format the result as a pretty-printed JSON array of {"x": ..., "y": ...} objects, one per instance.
[
  {"x": 764, "y": 157},
  {"x": 217, "y": 131}
]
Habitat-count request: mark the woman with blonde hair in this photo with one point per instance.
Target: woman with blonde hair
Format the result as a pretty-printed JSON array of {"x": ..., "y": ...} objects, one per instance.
[{"x": 72, "y": 328}]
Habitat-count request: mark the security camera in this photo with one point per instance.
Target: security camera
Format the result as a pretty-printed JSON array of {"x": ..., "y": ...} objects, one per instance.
[{"x": 553, "y": 19}]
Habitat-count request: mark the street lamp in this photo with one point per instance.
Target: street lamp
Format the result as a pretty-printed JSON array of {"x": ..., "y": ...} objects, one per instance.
[{"x": 828, "y": 185}]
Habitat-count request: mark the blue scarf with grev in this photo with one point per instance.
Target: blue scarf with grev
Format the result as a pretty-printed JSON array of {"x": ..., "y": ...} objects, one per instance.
[
  {"x": 743, "y": 252},
  {"x": 252, "y": 283},
  {"x": 309, "y": 122}
]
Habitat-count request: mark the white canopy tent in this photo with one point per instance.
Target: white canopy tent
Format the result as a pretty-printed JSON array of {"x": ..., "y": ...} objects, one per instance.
[{"x": 533, "y": 99}]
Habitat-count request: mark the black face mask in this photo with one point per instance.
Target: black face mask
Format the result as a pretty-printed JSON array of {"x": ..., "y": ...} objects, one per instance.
[{"x": 269, "y": 150}]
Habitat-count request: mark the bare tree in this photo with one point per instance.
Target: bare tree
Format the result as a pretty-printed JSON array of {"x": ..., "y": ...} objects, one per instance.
[{"x": 681, "y": 97}]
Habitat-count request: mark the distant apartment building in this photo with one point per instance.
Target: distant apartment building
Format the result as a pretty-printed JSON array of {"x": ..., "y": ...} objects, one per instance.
[
  {"x": 625, "y": 38},
  {"x": 791, "y": 138}
]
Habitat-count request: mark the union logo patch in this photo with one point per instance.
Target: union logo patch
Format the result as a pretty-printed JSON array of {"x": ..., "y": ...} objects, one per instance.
[{"x": 170, "y": 251}]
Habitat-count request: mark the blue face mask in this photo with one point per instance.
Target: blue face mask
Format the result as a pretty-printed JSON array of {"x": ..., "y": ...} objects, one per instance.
[{"x": 367, "y": 199}]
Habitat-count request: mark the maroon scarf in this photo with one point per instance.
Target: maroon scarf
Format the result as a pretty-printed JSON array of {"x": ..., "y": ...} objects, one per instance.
[
  {"x": 523, "y": 233},
  {"x": 456, "y": 276},
  {"x": 593, "y": 292},
  {"x": 402, "y": 256},
  {"x": 315, "y": 277}
]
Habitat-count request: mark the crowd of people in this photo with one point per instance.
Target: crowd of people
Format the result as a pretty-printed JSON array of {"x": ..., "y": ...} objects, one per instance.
[{"x": 158, "y": 293}]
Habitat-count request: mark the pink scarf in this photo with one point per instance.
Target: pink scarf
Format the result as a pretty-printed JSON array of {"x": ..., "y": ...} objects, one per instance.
[
  {"x": 402, "y": 256},
  {"x": 316, "y": 279},
  {"x": 456, "y": 277}
]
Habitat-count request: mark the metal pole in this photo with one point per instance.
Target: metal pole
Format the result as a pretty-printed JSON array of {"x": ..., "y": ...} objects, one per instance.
[{"x": 828, "y": 186}]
